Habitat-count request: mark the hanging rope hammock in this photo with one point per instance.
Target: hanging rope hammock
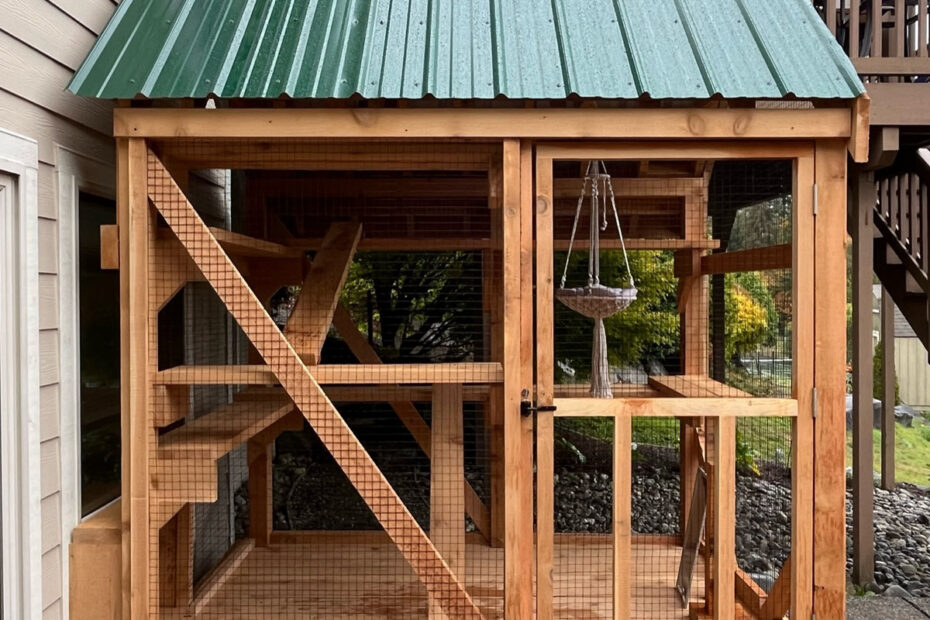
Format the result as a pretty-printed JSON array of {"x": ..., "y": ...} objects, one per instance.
[{"x": 595, "y": 300}]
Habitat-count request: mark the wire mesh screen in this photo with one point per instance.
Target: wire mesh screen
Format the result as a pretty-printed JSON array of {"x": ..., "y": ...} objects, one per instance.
[{"x": 327, "y": 356}]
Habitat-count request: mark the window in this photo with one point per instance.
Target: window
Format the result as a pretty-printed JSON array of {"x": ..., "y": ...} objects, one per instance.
[{"x": 98, "y": 292}]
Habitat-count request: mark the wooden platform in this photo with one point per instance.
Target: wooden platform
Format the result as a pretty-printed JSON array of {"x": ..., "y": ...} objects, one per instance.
[{"x": 362, "y": 575}]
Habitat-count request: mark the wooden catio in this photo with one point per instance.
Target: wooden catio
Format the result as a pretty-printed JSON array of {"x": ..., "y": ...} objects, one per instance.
[{"x": 350, "y": 388}]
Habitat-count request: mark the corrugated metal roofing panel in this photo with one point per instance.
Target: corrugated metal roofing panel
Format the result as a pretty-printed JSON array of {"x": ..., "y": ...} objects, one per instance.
[{"x": 466, "y": 49}]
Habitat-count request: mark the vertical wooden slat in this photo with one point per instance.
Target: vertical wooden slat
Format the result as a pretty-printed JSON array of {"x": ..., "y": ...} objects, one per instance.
[
  {"x": 136, "y": 345},
  {"x": 122, "y": 220},
  {"x": 861, "y": 201},
  {"x": 913, "y": 201},
  {"x": 724, "y": 549},
  {"x": 622, "y": 519},
  {"x": 831, "y": 16},
  {"x": 829, "y": 379},
  {"x": 493, "y": 302},
  {"x": 905, "y": 210},
  {"x": 447, "y": 470},
  {"x": 802, "y": 346},
  {"x": 924, "y": 228},
  {"x": 876, "y": 21},
  {"x": 544, "y": 388},
  {"x": 854, "y": 9},
  {"x": 899, "y": 13},
  {"x": 518, "y": 481},
  {"x": 888, "y": 385},
  {"x": 260, "y": 492}
]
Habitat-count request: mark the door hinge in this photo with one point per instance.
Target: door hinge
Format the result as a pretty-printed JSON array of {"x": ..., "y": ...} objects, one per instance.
[
  {"x": 528, "y": 407},
  {"x": 814, "y": 401},
  {"x": 816, "y": 199}
]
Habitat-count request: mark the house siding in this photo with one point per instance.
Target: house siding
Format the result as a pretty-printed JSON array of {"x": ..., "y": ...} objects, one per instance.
[{"x": 42, "y": 42}]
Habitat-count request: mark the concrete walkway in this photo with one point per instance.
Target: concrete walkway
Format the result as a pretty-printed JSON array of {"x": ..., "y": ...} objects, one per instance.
[{"x": 887, "y": 608}]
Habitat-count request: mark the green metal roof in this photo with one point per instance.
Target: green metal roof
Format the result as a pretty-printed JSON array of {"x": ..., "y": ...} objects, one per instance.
[{"x": 466, "y": 49}]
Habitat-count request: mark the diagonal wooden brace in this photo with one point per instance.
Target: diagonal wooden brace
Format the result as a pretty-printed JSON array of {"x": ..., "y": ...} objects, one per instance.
[{"x": 440, "y": 582}]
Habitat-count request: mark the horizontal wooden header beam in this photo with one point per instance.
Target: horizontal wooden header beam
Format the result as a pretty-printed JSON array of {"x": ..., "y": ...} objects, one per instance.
[
  {"x": 337, "y": 374},
  {"x": 675, "y": 407},
  {"x": 490, "y": 123},
  {"x": 754, "y": 259}
]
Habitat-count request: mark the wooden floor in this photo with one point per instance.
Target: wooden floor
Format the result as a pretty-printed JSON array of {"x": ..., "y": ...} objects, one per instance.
[{"x": 364, "y": 576}]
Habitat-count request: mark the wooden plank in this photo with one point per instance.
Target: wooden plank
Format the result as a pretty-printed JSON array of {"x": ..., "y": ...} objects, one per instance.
[
  {"x": 313, "y": 313},
  {"x": 332, "y": 374},
  {"x": 829, "y": 379},
  {"x": 859, "y": 140},
  {"x": 694, "y": 386},
  {"x": 137, "y": 313},
  {"x": 486, "y": 123},
  {"x": 888, "y": 387},
  {"x": 877, "y": 29},
  {"x": 749, "y": 593},
  {"x": 755, "y": 259},
  {"x": 297, "y": 380},
  {"x": 447, "y": 471},
  {"x": 216, "y": 578},
  {"x": 862, "y": 202},
  {"x": 724, "y": 549},
  {"x": 545, "y": 361},
  {"x": 714, "y": 407},
  {"x": 799, "y": 598},
  {"x": 419, "y": 244},
  {"x": 899, "y": 103},
  {"x": 518, "y": 475},
  {"x": 237, "y": 244},
  {"x": 622, "y": 517},
  {"x": 109, "y": 246},
  {"x": 261, "y": 519}
]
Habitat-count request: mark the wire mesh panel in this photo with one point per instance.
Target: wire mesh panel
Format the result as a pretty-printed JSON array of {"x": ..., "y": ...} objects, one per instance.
[{"x": 326, "y": 393}]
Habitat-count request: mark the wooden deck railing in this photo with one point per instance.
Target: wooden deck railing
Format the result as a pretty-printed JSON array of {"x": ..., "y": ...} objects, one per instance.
[
  {"x": 901, "y": 212},
  {"x": 886, "y": 39}
]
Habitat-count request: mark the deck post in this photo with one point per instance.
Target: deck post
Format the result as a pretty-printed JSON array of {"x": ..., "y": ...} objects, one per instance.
[
  {"x": 888, "y": 393},
  {"x": 862, "y": 201},
  {"x": 829, "y": 381}
]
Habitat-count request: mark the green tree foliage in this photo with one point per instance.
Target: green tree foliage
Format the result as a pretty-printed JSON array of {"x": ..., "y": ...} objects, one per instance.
[{"x": 751, "y": 317}]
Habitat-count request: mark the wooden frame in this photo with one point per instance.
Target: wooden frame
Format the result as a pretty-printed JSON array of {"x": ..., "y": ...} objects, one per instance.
[
  {"x": 697, "y": 134},
  {"x": 723, "y": 411}
]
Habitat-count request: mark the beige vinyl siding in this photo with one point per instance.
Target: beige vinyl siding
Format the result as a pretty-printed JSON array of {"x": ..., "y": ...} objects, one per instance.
[
  {"x": 913, "y": 372},
  {"x": 42, "y": 42}
]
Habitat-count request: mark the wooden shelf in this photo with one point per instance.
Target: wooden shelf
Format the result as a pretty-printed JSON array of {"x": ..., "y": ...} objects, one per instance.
[
  {"x": 338, "y": 374},
  {"x": 214, "y": 434},
  {"x": 694, "y": 386},
  {"x": 244, "y": 245}
]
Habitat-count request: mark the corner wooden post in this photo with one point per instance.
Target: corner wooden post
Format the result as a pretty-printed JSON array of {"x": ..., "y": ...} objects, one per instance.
[
  {"x": 802, "y": 437},
  {"x": 862, "y": 202},
  {"x": 888, "y": 394},
  {"x": 134, "y": 246},
  {"x": 724, "y": 544},
  {"x": 829, "y": 380},
  {"x": 518, "y": 481}
]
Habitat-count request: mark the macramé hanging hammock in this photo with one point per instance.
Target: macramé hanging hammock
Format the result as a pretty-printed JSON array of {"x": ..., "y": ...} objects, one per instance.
[{"x": 595, "y": 300}]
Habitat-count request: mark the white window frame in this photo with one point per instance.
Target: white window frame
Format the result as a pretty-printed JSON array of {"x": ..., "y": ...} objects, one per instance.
[
  {"x": 75, "y": 173},
  {"x": 20, "y": 508}
]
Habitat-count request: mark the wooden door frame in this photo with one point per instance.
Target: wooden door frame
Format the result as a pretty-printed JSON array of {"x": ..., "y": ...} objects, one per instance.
[{"x": 802, "y": 154}]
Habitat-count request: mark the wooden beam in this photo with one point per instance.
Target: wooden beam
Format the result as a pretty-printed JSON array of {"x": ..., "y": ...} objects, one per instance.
[
  {"x": 778, "y": 600},
  {"x": 441, "y": 584},
  {"x": 888, "y": 387},
  {"x": 237, "y": 244},
  {"x": 447, "y": 471},
  {"x": 313, "y": 313},
  {"x": 829, "y": 379},
  {"x": 676, "y": 407},
  {"x": 748, "y": 592},
  {"x": 899, "y": 103},
  {"x": 487, "y": 123},
  {"x": 884, "y": 143},
  {"x": 724, "y": 545},
  {"x": 417, "y": 244},
  {"x": 858, "y": 145},
  {"x": 862, "y": 203},
  {"x": 799, "y": 595},
  {"x": 755, "y": 259},
  {"x": 332, "y": 374},
  {"x": 516, "y": 212},
  {"x": 622, "y": 518},
  {"x": 406, "y": 411},
  {"x": 213, "y": 581}
]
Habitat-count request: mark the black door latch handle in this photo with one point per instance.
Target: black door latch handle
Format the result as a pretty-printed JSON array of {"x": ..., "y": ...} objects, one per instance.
[{"x": 528, "y": 408}]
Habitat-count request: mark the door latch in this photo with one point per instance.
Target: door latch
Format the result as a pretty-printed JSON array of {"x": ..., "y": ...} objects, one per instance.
[{"x": 527, "y": 407}]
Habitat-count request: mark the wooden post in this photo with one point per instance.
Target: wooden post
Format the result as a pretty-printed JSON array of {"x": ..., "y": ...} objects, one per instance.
[
  {"x": 724, "y": 544},
  {"x": 518, "y": 480},
  {"x": 492, "y": 275},
  {"x": 260, "y": 492},
  {"x": 862, "y": 201},
  {"x": 802, "y": 352},
  {"x": 623, "y": 521},
  {"x": 888, "y": 394},
  {"x": 134, "y": 245},
  {"x": 829, "y": 380},
  {"x": 447, "y": 470}
]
